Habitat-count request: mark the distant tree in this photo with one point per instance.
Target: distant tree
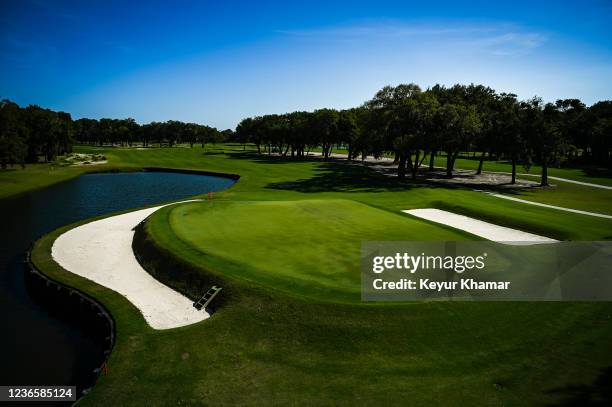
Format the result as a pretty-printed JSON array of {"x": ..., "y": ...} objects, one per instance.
[
  {"x": 506, "y": 133},
  {"x": 298, "y": 135},
  {"x": 390, "y": 121},
  {"x": 410, "y": 125},
  {"x": 602, "y": 134},
  {"x": 190, "y": 133},
  {"x": 484, "y": 99},
  {"x": 573, "y": 125},
  {"x": 245, "y": 131},
  {"x": 461, "y": 125},
  {"x": 348, "y": 130},
  {"x": 540, "y": 125},
  {"x": 324, "y": 127},
  {"x": 13, "y": 135},
  {"x": 599, "y": 133},
  {"x": 49, "y": 135},
  {"x": 358, "y": 137}
]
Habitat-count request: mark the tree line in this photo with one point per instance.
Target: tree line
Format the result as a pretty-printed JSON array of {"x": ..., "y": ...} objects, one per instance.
[
  {"x": 126, "y": 132},
  {"x": 410, "y": 124},
  {"x": 27, "y": 134},
  {"x": 414, "y": 125},
  {"x": 33, "y": 134}
]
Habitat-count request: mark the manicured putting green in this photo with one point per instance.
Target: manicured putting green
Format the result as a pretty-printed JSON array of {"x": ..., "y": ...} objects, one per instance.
[{"x": 307, "y": 247}]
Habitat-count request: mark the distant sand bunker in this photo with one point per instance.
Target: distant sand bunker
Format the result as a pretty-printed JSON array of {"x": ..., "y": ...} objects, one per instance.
[{"x": 480, "y": 228}]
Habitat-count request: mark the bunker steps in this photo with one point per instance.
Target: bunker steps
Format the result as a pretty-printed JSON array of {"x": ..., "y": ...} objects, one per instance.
[{"x": 206, "y": 299}]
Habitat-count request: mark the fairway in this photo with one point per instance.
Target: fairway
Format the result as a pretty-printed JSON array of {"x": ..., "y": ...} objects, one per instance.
[{"x": 307, "y": 247}]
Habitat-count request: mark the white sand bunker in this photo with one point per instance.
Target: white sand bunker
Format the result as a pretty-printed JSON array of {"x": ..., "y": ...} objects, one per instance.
[
  {"x": 101, "y": 251},
  {"x": 477, "y": 227}
]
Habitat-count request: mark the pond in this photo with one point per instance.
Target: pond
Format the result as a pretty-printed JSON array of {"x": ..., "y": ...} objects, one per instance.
[{"x": 38, "y": 348}]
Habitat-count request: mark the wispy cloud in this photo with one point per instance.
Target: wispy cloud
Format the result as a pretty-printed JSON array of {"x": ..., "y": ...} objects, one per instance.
[
  {"x": 502, "y": 39},
  {"x": 387, "y": 29},
  {"x": 512, "y": 43}
]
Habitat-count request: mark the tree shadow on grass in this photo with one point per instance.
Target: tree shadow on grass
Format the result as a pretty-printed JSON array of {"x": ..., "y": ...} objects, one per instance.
[
  {"x": 332, "y": 175},
  {"x": 270, "y": 159},
  {"x": 462, "y": 179},
  {"x": 343, "y": 176},
  {"x": 598, "y": 172},
  {"x": 599, "y": 393}
]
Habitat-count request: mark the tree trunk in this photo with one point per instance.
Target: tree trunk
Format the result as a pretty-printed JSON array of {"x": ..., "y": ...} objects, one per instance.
[
  {"x": 350, "y": 153},
  {"x": 544, "y": 180},
  {"x": 415, "y": 166},
  {"x": 431, "y": 160},
  {"x": 450, "y": 163},
  {"x": 513, "y": 170},
  {"x": 482, "y": 157},
  {"x": 401, "y": 167}
]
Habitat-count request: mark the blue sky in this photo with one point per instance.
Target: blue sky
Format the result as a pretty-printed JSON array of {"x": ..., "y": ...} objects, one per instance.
[{"x": 218, "y": 62}]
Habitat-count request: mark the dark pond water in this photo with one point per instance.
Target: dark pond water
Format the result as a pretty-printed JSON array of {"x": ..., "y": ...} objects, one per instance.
[{"x": 38, "y": 348}]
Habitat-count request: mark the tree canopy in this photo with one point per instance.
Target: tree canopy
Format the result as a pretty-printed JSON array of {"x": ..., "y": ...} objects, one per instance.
[
  {"x": 403, "y": 121},
  {"x": 411, "y": 124}
]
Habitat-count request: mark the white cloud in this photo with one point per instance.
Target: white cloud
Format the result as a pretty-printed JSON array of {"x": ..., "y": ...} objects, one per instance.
[{"x": 502, "y": 39}]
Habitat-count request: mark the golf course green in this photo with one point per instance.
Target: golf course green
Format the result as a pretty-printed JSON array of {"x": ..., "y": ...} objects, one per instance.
[
  {"x": 284, "y": 243},
  {"x": 257, "y": 241}
]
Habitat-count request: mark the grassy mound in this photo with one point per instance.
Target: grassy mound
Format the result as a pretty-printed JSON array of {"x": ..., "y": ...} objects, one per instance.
[{"x": 309, "y": 247}]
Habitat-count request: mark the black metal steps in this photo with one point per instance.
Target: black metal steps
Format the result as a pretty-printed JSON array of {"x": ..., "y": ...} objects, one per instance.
[{"x": 206, "y": 299}]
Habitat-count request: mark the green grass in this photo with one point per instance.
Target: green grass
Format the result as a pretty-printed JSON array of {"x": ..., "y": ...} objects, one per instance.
[
  {"x": 568, "y": 195},
  {"x": 309, "y": 247},
  {"x": 267, "y": 348},
  {"x": 431, "y": 353},
  {"x": 278, "y": 237},
  {"x": 14, "y": 181},
  {"x": 264, "y": 178}
]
